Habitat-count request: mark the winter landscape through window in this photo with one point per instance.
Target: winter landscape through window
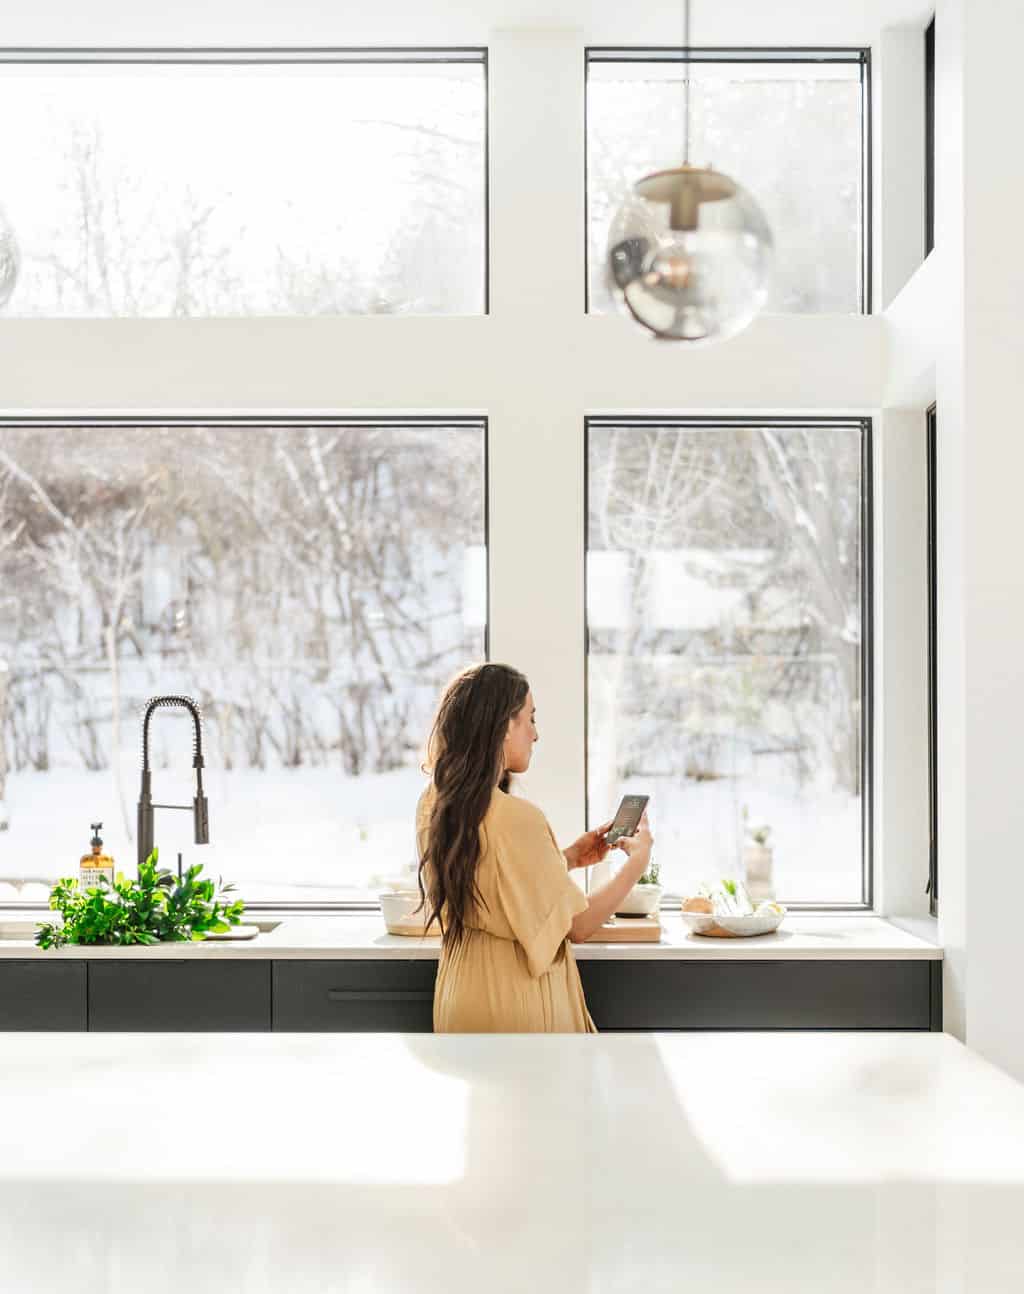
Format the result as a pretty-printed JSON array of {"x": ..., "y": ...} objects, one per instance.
[
  {"x": 728, "y": 567},
  {"x": 313, "y": 585},
  {"x": 238, "y": 184}
]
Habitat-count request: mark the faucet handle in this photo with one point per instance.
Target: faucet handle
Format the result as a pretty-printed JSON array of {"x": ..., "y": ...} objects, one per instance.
[{"x": 201, "y": 815}]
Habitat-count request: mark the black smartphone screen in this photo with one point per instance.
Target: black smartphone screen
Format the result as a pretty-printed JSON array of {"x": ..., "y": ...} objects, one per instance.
[{"x": 627, "y": 817}]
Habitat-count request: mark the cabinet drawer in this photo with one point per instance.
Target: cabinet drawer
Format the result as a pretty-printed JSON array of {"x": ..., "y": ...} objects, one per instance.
[
  {"x": 758, "y": 995},
  {"x": 179, "y": 997},
  {"x": 41, "y": 995},
  {"x": 354, "y": 996}
]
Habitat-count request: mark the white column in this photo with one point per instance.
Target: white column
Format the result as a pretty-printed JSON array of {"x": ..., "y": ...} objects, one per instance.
[
  {"x": 536, "y": 445},
  {"x": 901, "y": 658}
]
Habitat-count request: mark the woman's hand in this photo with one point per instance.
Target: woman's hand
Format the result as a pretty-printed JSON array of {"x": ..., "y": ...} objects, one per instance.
[
  {"x": 638, "y": 846},
  {"x": 591, "y": 848}
]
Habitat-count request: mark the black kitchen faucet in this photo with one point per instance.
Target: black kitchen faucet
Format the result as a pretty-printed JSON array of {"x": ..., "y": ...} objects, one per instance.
[{"x": 200, "y": 808}]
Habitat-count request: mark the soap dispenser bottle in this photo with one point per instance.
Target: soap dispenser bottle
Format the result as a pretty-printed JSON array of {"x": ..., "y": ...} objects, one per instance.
[{"x": 96, "y": 864}]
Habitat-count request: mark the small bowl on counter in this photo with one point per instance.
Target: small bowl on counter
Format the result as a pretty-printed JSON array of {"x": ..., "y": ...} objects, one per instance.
[{"x": 403, "y": 914}]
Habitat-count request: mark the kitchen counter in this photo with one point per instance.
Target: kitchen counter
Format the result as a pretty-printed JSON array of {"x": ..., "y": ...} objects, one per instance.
[
  {"x": 362, "y": 937},
  {"x": 889, "y": 1163},
  {"x": 344, "y": 972}
]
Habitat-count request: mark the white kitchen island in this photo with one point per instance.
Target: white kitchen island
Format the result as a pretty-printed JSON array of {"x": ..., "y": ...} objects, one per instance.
[{"x": 831, "y": 1162}]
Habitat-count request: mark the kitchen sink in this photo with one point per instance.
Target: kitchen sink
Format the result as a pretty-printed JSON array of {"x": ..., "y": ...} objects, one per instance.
[{"x": 17, "y": 931}]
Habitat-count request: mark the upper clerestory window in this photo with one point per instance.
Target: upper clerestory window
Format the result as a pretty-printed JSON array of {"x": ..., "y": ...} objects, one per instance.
[
  {"x": 791, "y": 126},
  {"x": 156, "y": 184}
]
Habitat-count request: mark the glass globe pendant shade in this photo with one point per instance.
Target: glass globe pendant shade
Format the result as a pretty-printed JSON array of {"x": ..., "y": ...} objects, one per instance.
[
  {"x": 690, "y": 255},
  {"x": 10, "y": 260}
]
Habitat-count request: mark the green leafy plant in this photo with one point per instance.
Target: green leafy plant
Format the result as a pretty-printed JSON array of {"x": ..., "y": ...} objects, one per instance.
[
  {"x": 155, "y": 908},
  {"x": 650, "y": 877}
]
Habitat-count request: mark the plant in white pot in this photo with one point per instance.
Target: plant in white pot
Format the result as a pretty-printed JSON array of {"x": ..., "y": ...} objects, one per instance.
[
  {"x": 757, "y": 861},
  {"x": 645, "y": 896}
]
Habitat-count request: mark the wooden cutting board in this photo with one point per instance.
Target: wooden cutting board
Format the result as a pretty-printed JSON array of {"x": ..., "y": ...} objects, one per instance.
[{"x": 628, "y": 930}]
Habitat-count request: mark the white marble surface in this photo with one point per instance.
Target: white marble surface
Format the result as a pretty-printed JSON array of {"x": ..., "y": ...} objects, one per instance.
[
  {"x": 844, "y": 1163},
  {"x": 363, "y": 936}
]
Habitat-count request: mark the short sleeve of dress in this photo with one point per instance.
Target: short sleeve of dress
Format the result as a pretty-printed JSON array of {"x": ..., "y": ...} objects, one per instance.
[{"x": 534, "y": 888}]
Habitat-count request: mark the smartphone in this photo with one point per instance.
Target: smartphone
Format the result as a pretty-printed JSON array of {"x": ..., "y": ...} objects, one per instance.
[{"x": 627, "y": 817}]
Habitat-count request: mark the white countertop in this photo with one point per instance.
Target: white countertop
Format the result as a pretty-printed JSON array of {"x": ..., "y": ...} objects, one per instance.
[
  {"x": 362, "y": 935},
  {"x": 867, "y": 1163}
]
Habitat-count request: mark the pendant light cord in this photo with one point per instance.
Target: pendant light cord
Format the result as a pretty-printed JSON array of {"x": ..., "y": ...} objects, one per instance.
[{"x": 686, "y": 82}]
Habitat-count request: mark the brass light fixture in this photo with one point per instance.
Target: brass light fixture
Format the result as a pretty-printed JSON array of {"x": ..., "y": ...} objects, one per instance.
[{"x": 689, "y": 251}]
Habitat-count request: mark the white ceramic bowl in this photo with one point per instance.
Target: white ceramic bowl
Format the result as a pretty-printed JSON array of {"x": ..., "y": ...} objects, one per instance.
[
  {"x": 400, "y": 914},
  {"x": 641, "y": 900},
  {"x": 699, "y": 923}
]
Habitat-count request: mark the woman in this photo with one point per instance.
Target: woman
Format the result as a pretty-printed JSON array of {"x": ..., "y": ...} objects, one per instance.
[{"x": 492, "y": 873}]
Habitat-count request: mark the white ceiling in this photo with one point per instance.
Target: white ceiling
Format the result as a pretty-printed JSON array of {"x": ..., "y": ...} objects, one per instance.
[{"x": 443, "y": 22}]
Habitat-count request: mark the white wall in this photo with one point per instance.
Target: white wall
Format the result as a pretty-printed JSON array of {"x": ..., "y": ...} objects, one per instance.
[
  {"x": 447, "y": 22},
  {"x": 899, "y": 159},
  {"x": 956, "y": 329},
  {"x": 992, "y": 614}
]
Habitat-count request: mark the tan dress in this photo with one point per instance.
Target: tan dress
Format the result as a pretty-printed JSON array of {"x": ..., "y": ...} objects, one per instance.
[{"x": 514, "y": 971}]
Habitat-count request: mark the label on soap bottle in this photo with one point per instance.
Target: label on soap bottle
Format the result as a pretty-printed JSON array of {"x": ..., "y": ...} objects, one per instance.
[{"x": 89, "y": 876}]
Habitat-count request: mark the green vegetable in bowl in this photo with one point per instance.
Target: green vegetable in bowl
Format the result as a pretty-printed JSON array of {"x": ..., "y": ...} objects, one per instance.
[
  {"x": 727, "y": 897},
  {"x": 158, "y": 907}
]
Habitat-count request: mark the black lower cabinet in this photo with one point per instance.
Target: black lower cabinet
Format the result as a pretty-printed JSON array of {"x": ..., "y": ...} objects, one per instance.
[
  {"x": 179, "y": 997},
  {"x": 354, "y": 996},
  {"x": 761, "y": 995},
  {"x": 385, "y": 996},
  {"x": 36, "y": 995}
]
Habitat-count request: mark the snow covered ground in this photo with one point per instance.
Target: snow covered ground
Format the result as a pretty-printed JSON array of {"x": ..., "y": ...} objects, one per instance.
[
  {"x": 816, "y": 837},
  {"x": 314, "y": 834}
]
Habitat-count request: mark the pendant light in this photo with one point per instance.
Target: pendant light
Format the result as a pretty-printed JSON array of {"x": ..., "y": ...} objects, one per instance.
[
  {"x": 689, "y": 251},
  {"x": 10, "y": 260}
]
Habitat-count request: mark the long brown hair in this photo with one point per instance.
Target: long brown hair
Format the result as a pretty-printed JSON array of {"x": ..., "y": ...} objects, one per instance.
[{"x": 464, "y": 757}]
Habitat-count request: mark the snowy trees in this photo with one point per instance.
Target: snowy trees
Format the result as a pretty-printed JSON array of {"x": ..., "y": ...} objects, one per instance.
[
  {"x": 5, "y": 682},
  {"x": 304, "y": 582},
  {"x": 725, "y": 641},
  {"x": 172, "y": 193},
  {"x": 734, "y": 651}
]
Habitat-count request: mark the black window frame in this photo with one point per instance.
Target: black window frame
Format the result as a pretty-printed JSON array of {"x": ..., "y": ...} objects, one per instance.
[
  {"x": 747, "y": 54},
  {"x": 284, "y": 54},
  {"x": 929, "y": 137},
  {"x": 87, "y": 422},
  {"x": 931, "y": 449},
  {"x": 867, "y": 723}
]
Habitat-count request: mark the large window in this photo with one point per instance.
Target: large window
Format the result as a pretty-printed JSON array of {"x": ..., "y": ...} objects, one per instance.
[
  {"x": 728, "y": 563},
  {"x": 246, "y": 183},
  {"x": 792, "y": 126},
  {"x": 312, "y": 585}
]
